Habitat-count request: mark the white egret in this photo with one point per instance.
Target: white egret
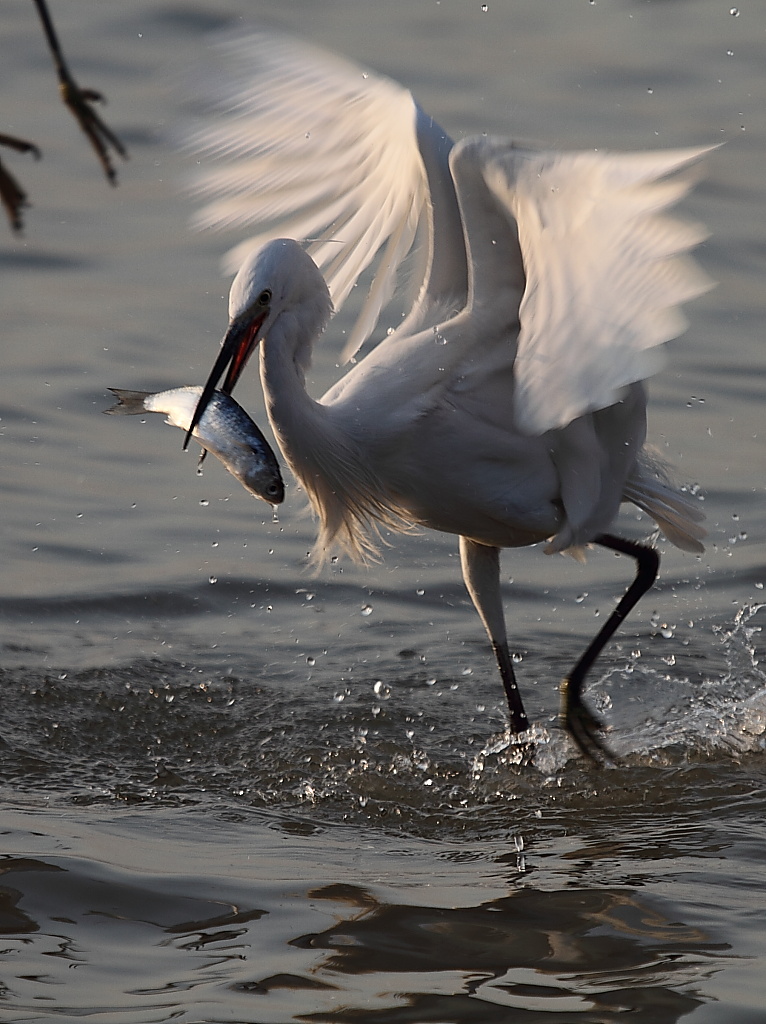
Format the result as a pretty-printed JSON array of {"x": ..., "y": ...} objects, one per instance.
[{"x": 508, "y": 407}]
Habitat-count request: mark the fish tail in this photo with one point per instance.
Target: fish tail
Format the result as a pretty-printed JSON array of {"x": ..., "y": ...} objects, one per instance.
[{"x": 129, "y": 403}]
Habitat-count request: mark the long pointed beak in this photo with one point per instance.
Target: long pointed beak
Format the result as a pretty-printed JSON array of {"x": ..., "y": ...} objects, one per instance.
[{"x": 236, "y": 348}]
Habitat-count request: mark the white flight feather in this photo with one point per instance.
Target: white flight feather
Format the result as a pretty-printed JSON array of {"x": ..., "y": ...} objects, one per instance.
[
  {"x": 310, "y": 146},
  {"x": 605, "y": 272}
]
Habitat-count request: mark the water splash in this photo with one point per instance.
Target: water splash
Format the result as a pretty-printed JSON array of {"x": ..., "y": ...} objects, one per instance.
[{"x": 682, "y": 717}]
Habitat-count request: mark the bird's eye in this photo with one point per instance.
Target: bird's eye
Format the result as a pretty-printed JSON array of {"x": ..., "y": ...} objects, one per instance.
[{"x": 265, "y": 297}]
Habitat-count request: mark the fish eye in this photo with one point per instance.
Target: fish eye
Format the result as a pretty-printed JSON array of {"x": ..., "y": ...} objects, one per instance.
[{"x": 265, "y": 297}]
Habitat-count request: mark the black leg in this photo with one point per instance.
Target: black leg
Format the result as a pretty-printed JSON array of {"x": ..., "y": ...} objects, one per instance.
[
  {"x": 481, "y": 571},
  {"x": 519, "y": 721},
  {"x": 583, "y": 725}
]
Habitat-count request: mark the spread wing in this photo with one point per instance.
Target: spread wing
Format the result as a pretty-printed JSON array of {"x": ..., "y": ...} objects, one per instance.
[
  {"x": 606, "y": 271},
  {"x": 310, "y": 146}
]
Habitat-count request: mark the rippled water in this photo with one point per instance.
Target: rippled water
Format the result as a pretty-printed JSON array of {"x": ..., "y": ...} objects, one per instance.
[{"x": 232, "y": 792}]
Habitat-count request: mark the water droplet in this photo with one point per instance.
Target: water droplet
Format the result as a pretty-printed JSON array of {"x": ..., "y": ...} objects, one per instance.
[
  {"x": 212, "y": 579},
  {"x": 516, "y": 658},
  {"x": 339, "y": 698},
  {"x": 581, "y": 597},
  {"x": 650, "y": 90},
  {"x": 420, "y": 591},
  {"x": 667, "y": 632},
  {"x": 214, "y": 544},
  {"x": 734, "y": 12},
  {"x": 430, "y": 682},
  {"x": 366, "y": 609},
  {"x": 310, "y": 661},
  {"x": 467, "y": 671},
  {"x": 485, "y": 8},
  {"x": 204, "y": 502}
]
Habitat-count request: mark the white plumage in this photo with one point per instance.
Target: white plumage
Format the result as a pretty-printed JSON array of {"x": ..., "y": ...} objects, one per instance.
[{"x": 508, "y": 408}]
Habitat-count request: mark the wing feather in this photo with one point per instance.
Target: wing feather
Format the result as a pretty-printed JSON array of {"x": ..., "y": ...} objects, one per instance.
[
  {"x": 606, "y": 271},
  {"x": 311, "y": 146}
]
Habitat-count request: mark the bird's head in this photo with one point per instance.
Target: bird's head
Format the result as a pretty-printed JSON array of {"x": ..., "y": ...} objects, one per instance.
[{"x": 277, "y": 280}]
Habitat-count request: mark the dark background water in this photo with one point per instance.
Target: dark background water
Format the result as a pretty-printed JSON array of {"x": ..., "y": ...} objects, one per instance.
[{"x": 232, "y": 792}]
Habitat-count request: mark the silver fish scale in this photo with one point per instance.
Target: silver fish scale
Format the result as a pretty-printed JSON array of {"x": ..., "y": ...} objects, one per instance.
[{"x": 225, "y": 430}]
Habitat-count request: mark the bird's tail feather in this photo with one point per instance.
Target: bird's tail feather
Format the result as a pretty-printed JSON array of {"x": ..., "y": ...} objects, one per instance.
[{"x": 676, "y": 513}]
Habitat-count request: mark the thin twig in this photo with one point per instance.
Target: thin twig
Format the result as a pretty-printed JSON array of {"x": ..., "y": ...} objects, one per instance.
[
  {"x": 79, "y": 101},
  {"x": 12, "y": 195}
]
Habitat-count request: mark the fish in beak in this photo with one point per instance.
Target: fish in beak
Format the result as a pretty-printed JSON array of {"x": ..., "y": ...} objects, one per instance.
[{"x": 236, "y": 348}]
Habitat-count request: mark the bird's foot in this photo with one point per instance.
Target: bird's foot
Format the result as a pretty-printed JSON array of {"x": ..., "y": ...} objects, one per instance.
[
  {"x": 99, "y": 134},
  {"x": 584, "y": 727},
  {"x": 523, "y": 743}
]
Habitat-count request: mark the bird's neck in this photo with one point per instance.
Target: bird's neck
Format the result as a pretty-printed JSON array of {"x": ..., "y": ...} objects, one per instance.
[
  {"x": 495, "y": 267},
  {"x": 299, "y": 423},
  {"x": 330, "y": 464}
]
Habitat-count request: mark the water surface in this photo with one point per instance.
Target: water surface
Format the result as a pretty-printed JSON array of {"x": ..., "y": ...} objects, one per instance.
[{"x": 233, "y": 792}]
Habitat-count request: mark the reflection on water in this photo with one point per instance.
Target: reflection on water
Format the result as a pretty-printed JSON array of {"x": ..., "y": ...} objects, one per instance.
[
  {"x": 532, "y": 950},
  {"x": 156, "y": 947}
]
